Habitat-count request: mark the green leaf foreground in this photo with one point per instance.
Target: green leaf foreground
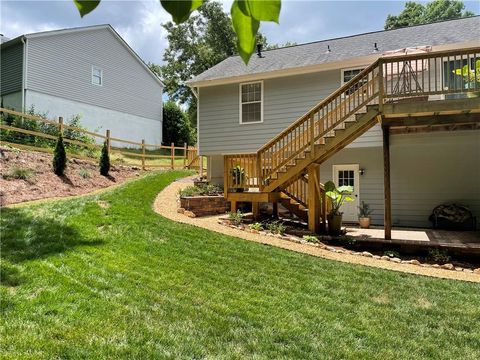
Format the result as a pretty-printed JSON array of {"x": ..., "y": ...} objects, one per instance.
[
  {"x": 86, "y": 6},
  {"x": 180, "y": 9},
  {"x": 246, "y": 17}
]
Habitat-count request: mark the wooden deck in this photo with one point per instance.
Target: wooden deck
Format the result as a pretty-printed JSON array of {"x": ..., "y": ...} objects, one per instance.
[{"x": 461, "y": 241}]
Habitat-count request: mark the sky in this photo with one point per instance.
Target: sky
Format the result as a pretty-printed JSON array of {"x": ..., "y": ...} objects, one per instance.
[{"x": 139, "y": 22}]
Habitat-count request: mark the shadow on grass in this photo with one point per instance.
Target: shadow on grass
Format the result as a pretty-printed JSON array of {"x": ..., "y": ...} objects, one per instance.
[{"x": 27, "y": 237}]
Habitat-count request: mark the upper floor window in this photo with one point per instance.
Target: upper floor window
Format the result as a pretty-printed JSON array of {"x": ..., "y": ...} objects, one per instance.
[
  {"x": 349, "y": 74},
  {"x": 97, "y": 76},
  {"x": 251, "y": 102}
]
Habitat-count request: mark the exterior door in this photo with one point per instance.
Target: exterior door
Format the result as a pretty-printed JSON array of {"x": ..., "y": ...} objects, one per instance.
[{"x": 348, "y": 175}]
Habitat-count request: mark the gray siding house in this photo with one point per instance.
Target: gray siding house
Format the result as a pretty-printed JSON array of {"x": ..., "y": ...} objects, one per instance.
[
  {"x": 242, "y": 107},
  {"x": 89, "y": 71}
]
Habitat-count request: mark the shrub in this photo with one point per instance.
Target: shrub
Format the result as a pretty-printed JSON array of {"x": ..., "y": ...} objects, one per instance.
[
  {"x": 84, "y": 173},
  {"x": 176, "y": 126},
  {"x": 59, "y": 157},
  {"x": 236, "y": 217},
  {"x": 310, "y": 238},
  {"x": 104, "y": 160},
  {"x": 257, "y": 226},
  {"x": 19, "y": 173},
  {"x": 276, "y": 227},
  {"x": 391, "y": 253},
  {"x": 439, "y": 255},
  {"x": 200, "y": 190}
]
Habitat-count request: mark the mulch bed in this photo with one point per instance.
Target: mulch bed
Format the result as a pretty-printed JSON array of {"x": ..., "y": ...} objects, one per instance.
[{"x": 45, "y": 184}]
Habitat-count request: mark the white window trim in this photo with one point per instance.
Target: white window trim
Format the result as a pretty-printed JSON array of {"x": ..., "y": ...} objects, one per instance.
[
  {"x": 101, "y": 75},
  {"x": 240, "y": 102}
]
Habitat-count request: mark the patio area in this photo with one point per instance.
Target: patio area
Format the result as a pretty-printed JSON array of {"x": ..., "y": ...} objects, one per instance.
[{"x": 461, "y": 241}]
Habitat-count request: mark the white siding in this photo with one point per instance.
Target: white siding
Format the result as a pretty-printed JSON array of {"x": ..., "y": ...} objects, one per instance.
[{"x": 13, "y": 101}]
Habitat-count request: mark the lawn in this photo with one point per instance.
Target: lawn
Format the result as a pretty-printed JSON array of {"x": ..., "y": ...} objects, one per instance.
[{"x": 105, "y": 277}]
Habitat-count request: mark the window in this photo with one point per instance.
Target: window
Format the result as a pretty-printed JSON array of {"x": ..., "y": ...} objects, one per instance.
[
  {"x": 97, "y": 76},
  {"x": 349, "y": 74},
  {"x": 346, "y": 178},
  {"x": 251, "y": 103}
]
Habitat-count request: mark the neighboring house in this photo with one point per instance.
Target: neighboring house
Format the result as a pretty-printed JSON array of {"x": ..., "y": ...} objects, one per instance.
[
  {"x": 243, "y": 109},
  {"x": 89, "y": 71}
]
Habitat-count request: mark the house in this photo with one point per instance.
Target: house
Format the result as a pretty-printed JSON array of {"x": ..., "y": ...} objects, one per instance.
[
  {"x": 87, "y": 71},
  {"x": 381, "y": 111}
]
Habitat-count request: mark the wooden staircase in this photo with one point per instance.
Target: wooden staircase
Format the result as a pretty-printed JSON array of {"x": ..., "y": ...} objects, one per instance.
[{"x": 285, "y": 170}]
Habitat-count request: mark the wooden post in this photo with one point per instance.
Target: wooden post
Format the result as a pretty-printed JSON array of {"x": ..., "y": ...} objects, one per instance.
[
  {"x": 275, "y": 209},
  {"x": 386, "y": 184},
  {"x": 255, "y": 208},
  {"x": 313, "y": 200},
  {"x": 184, "y": 155},
  {"x": 225, "y": 177},
  {"x": 233, "y": 206},
  {"x": 323, "y": 226},
  {"x": 381, "y": 92},
  {"x": 60, "y": 122},
  {"x": 143, "y": 154},
  {"x": 312, "y": 136},
  {"x": 108, "y": 140},
  {"x": 172, "y": 156}
]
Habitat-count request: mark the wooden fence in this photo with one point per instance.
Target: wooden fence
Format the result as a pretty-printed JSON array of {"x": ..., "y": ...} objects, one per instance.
[{"x": 135, "y": 153}]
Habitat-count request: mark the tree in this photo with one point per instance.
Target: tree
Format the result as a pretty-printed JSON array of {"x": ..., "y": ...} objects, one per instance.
[
  {"x": 104, "y": 160},
  {"x": 176, "y": 127},
  {"x": 437, "y": 10},
  {"x": 59, "y": 157},
  {"x": 246, "y": 17}
]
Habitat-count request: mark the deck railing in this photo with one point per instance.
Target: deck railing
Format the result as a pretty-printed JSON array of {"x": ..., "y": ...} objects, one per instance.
[{"x": 388, "y": 79}]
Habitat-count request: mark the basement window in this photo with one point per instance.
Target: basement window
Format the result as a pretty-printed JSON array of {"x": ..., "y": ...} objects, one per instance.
[
  {"x": 251, "y": 102},
  {"x": 97, "y": 76}
]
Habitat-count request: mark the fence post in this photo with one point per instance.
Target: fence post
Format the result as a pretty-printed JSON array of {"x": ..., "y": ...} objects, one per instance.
[
  {"x": 173, "y": 156},
  {"x": 60, "y": 122},
  {"x": 184, "y": 155},
  {"x": 108, "y": 140},
  {"x": 143, "y": 154}
]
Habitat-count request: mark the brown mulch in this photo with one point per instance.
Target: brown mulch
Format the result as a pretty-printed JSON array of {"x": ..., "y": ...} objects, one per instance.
[{"x": 45, "y": 184}]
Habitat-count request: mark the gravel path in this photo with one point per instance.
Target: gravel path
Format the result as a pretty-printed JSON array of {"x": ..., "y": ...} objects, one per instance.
[{"x": 166, "y": 205}]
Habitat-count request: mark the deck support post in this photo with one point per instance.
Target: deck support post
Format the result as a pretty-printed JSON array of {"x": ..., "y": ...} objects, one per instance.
[
  {"x": 255, "y": 208},
  {"x": 387, "y": 223},
  {"x": 314, "y": 204},
  {"x": 275, "y": 209},
  {"x": 233, "y": 206}
]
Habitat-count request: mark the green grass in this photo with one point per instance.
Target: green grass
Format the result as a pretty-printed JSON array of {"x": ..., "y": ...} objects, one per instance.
[{"x": 105, "y": 277}]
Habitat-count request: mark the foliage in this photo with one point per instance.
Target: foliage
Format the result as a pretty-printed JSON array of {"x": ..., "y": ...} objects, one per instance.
[
  {"x": 91, "y": 275},
  {"x": 436, "y": 10},
  {"x": 18, "y": 172},
  {"x": 84, "y": 173},
  {"x": 256, "y": 226},
  {"x": 338, "y": 196},
  {"x": 239, "y": 176},
  {"x": 175, "y": 125},
  {"x": 201, "y": 190},
  {"x": 391, "y": 253},
  {"x": 59, "y": 157},
  {"x": 364, "y": 210},
  {"x": 276, "y": 227},
  {"x": 311, "y": 239},
  {"x": 439, "y": 255},
  {"x": 236, "y": 217},
  {"x": 104, "y": 160},
  {"x": 470, "y": 76}
]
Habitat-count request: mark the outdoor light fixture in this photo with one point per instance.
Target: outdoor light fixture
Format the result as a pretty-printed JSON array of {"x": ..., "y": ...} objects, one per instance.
[{"x": 362, "y": 171}]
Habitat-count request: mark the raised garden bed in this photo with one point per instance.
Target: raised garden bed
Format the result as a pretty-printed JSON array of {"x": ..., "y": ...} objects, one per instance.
[{"x": 202, "y": 200}]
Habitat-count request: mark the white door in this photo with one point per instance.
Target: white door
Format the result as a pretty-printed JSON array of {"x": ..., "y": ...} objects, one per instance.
[{"x": 348, "y": 175}]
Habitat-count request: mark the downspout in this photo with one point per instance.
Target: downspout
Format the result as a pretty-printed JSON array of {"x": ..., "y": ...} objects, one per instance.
[{"x": 24, "y": 73}]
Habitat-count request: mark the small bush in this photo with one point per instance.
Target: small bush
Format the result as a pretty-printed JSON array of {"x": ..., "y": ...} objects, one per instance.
[
  {"x": 84, "y": 173},
  {"x": 276, "y": 227},
  {"x": 257, "y": 226},
  {"x": 439, "y": 255},
  {"x": 309, "y": 238},
  {"x": 391, "y": 253},
  {"x": 19, "y": 173},
  {"x": 200, "y": 190},
  {"x": 236, "y": 217},
  {"x": 104, "y": 160},
  {"x": 59, "y": 157}
]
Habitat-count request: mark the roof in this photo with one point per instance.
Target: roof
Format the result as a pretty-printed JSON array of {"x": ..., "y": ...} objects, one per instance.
[
  {"x": 315, "y": 53},
  {"x": 3, "y": 39},
  {"x": 84, "y": 28}
]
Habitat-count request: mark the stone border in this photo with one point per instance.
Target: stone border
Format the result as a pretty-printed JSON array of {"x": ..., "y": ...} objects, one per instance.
[{"x": 166, "y": 205}]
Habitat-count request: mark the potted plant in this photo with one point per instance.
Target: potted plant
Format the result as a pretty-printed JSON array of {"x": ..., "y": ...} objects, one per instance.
[
  {"x": 471, "y": 77},
  {"x": 239, "y": 178},
  {"x": 364, "y": 212},
  {"x": 337, "y": 196}
]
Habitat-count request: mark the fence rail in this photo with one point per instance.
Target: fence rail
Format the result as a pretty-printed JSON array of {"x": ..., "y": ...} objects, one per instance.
[{"x": 161, "y": 156}]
